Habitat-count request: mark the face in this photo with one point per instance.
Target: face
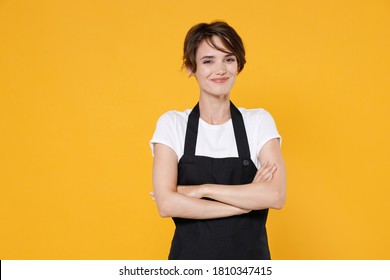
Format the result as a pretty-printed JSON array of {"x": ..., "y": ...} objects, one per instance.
[{"x": 216, "y": 71}]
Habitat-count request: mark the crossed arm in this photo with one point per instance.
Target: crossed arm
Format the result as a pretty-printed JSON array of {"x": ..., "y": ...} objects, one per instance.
[{"x": 268, "y": 189}]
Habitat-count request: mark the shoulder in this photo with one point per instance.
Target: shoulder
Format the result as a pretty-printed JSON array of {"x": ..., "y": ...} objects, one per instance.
[
  {"x": 255, "y": 116},
  {"x": 260, "y": 122},
  {"x": 174, "y": 118},
  {"x": 170, "y": 130}
]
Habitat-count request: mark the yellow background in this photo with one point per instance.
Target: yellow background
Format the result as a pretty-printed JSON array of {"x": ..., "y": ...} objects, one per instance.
[{"x": 82, "y": 84}]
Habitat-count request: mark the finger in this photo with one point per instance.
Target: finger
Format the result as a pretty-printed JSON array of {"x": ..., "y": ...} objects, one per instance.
[
  {"x": 261, "y": 170},
  {"x": 257, "y": 177},
  {"x": 267, "y": 165},
  {"x": 270, "y": 175},
  {"x": 264, "y": 170},
  {"x": 270, "y": 171},
  {"x": 273, "y": 169},
  {"x": 260, "y": 174},
  {"x": 151, "y": 193},
  {"x": 264, "y": 165},
  {"x": 265, "y": 173}
]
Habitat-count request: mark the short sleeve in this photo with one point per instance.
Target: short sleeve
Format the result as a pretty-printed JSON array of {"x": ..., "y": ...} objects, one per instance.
[
  {"x": 169, "y": 131},
  {"x": 267, "y": 130}
]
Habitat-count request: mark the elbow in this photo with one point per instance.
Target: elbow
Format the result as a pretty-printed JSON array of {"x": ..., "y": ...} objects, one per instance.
[
  {"x": 164, "y": 210},
  {"x": 167, "y": 205},
  {"x": 278, "y": 205},
  {"x": 279, "y": 200},
  {"x": 163, "y": 213}
]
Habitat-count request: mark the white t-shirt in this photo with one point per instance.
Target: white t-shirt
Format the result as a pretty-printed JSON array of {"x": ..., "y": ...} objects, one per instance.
[{"x": 216, "y": 141}]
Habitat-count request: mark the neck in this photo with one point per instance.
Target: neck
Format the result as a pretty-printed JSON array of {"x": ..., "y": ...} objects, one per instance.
[{"x": 214, "y": 110}]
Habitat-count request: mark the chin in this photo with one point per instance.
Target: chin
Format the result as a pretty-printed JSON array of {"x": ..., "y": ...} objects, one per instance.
[{"x": 218, "y": 92}]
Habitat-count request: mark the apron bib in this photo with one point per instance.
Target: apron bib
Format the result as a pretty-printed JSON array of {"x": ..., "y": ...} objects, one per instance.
[{"x": 236, "y": 237}]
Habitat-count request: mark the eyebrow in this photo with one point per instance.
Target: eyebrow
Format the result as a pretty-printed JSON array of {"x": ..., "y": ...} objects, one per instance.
[{"x": 211, "y": 56}]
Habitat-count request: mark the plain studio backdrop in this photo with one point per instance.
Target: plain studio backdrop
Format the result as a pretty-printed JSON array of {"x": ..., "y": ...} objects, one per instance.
[{"x": 82, "y": 84}]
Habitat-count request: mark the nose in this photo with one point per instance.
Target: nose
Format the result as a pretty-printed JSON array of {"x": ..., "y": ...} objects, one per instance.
[{"x": 220, "y": 68}]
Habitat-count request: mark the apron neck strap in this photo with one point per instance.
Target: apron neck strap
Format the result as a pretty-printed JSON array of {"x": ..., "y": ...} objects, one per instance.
[{"x": 238, "y": 127}]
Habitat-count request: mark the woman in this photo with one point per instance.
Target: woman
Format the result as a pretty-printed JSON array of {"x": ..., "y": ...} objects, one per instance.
[{"x": 205, "y": 171}]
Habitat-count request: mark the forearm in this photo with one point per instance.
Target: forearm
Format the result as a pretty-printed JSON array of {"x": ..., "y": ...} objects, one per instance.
[
  {"x": 178, "y": 205},
  {"x": 252, "y": 196},
  {"x": 260, "y": 194}
]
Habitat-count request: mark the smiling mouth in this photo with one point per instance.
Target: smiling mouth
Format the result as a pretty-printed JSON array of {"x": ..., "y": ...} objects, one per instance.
[{"x": 220, "y": 80}]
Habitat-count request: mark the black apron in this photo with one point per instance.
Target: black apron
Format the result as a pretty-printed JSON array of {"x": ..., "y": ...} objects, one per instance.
[{"x": 236, "y": 237}]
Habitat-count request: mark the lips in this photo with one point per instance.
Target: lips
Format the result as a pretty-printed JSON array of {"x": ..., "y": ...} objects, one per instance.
[{"x": 220, "y": 80}]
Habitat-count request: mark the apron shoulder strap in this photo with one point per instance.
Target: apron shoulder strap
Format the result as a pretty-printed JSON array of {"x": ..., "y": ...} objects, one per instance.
[
  {"x": 240, "y": 132},
  {"x": 192, "y": 131},
  {"x": 238, "y": 127}
]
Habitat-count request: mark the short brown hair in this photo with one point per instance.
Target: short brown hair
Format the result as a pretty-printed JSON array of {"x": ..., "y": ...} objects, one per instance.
[{"x": 204, "y": 31}]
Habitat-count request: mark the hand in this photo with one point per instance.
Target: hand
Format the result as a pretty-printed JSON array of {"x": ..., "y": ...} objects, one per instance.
[
  {"x": 191, "y": 191},
  {"x": 265, "y": 173}
]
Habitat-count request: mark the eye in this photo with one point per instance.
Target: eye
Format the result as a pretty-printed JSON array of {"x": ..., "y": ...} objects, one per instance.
[
  {"x": 231, "y": 59},
  {"x": 207, "y": 61}
]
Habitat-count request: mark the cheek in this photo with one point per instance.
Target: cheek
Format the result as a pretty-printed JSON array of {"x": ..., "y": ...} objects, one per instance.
[
  {"x": 203, "y": 72},
  {"x": 233, "y": 69}
]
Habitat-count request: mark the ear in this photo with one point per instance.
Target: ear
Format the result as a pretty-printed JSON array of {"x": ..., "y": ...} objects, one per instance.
[{"x": 189, "y": 72}]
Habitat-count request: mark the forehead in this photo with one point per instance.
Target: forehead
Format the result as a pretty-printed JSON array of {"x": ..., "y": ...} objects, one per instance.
[{"x": 206, "y": 48}]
